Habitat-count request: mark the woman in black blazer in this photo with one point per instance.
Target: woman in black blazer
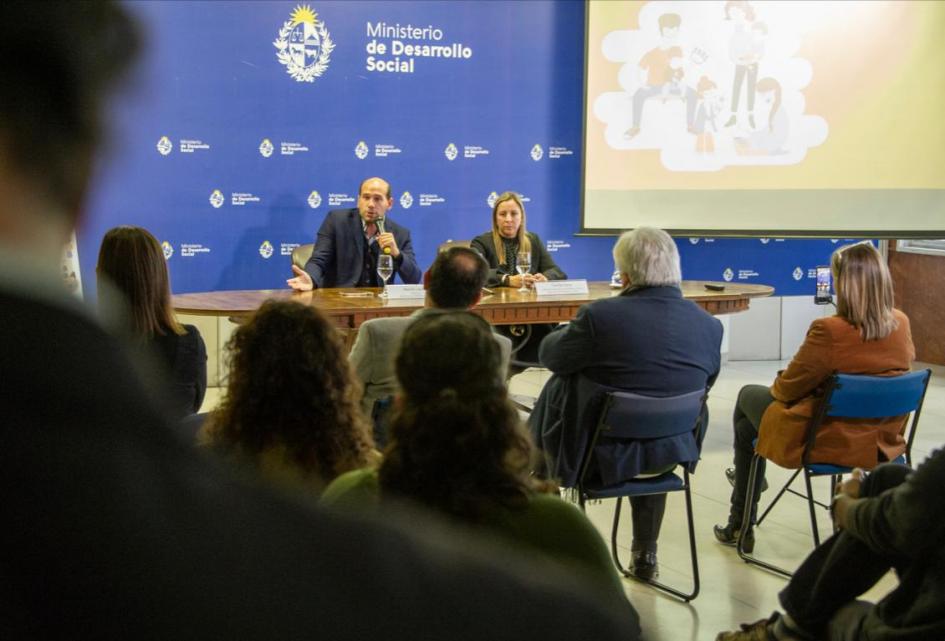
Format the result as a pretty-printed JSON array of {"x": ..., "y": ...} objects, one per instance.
[
  {"x": 508, "y": 237},
  {"x": 131, "y": 264},
  {"x": 499, "y": 247}
]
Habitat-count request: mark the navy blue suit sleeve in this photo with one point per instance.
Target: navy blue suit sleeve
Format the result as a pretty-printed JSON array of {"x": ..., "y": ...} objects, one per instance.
[
  {"x": 406, "y": 263},
  {"x": 716, "y": 354},
  {"x": 570, "y": 348},
  {"x": 324, "y": 253}
]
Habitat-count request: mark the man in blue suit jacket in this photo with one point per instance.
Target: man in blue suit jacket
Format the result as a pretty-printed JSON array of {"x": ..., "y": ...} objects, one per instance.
[
  {"x": 649, "y": 340},
  {"x": 350, "y": 240}
]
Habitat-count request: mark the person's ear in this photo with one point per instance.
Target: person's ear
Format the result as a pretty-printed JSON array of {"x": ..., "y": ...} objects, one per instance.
[{"x": 624, "y": 279}]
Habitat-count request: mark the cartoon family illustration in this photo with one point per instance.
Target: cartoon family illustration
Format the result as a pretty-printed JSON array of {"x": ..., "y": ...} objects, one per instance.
[{"x": 757, "y": 125}]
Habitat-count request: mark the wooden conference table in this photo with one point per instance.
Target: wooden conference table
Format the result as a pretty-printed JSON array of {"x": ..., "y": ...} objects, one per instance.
[{"x": 348, "y": 308}]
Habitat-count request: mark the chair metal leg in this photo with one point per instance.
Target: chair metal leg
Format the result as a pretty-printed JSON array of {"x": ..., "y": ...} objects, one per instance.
[
  {"x": 834, "y": 482},
  {"x": 777, "y": 498},
  {"x": 746, "y": 525},
  {"x": 613, "y": 538},
  {"x": 810, "y": 507},
  {"x": 692, "y": 551}
]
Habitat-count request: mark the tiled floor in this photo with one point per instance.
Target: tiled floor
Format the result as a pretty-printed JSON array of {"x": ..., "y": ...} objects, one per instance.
[{"x": 731, "y": 591}]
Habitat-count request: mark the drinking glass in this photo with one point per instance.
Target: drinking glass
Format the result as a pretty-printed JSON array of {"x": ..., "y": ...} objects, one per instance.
[
  {"x": 385, "y": 268},
  {"x": 523, "y": 262}
]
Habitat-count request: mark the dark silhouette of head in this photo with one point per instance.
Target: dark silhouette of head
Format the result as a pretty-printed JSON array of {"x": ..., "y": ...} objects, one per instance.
[
  {"x": 457, "y": 444},
  {"x": 290, "y": 386},
  {"x": 456, "y": 277},
  {"x": 59, "y": 62}
]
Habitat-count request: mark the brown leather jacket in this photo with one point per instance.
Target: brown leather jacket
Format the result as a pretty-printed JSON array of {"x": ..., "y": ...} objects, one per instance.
[{"x": 834, "y": 345}]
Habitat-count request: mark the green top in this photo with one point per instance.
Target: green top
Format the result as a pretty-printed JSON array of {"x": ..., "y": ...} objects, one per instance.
[{"x": 547, "y": 525}]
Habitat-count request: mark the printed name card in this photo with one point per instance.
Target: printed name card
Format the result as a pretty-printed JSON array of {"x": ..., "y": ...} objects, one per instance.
[
  {"x": 560, "y": 287},
  {"x": 398, "y": 292}
]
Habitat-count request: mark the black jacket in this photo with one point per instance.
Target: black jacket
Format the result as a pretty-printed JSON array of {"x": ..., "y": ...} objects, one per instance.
[{"x": 541, "y": 259}]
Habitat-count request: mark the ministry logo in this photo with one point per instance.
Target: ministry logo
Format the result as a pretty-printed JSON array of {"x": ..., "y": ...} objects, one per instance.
[
  {"x": 537, "y": 152},
  {"x": 217, "y": 199},
  {"x": 314, "y": 200},
  {"x": 492, "y": 198},
  {"x": 361, "y": 150},
  {"x": 798, "y": 273},
  {"x": 165, "y": 146},
  {"x": 406, "y": 200},
  {"x": 168, "y": 250},
  {"x": 728, "y": 274},
  {"x": 265, "y": 250},
  {"x": 265, "y": 148},
  {"x": 304, "y": 45},
  {"x": 451, "y": 152}
]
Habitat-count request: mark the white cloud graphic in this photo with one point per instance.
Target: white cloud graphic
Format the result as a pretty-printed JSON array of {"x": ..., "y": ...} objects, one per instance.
[{"x": 704, "y": 38}]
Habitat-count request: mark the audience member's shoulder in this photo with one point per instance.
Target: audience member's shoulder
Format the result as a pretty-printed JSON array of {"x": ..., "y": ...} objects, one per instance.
[
  {"x": 901, "y": 318},
  {"x": 356, "y": 489},
  {"x": 193, "y": 334}
]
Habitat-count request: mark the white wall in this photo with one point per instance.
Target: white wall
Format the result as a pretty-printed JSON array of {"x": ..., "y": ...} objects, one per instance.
[{"x": 773, "y": 328}]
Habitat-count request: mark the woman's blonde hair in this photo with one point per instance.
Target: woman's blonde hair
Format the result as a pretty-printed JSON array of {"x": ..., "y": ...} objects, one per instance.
[
  {"x": 524, "y": 245},
  {"x": 864, "y": 290}
]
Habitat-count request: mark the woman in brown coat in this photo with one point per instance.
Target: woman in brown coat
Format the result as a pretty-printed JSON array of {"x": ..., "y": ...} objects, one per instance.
[{"x": 866, "y": 336}]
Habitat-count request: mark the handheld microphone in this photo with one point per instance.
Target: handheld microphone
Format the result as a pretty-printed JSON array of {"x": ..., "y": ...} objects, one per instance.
[{"x": 380, "y": 230}]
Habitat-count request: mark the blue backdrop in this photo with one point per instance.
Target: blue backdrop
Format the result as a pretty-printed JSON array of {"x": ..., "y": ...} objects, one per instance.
[{"x": 231, "y": 161}]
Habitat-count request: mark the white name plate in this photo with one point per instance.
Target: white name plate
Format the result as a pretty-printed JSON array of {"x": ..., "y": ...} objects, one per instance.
[
  {"x": 559, "y": 287},
  {"x": 398, "y": 292}
]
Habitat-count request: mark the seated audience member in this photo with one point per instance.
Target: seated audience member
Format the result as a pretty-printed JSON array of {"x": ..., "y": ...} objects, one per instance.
[
  {"x": 454, "y": 281},
  {"x": 115, "y": 529},
  {"x": 458, "y": 447},
  {"x": 290, "y": 407},
  {"x": 500, "y": 247},
  {"x": 892, "y": 518},
  {"x": 866, "y": 336},
  {"x": 648, "y": 340},
  {"x": 131, "y": 260}
]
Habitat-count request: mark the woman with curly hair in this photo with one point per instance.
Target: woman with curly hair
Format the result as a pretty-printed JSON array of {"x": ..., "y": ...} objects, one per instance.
[
  {"x": 291, "y": 405},
  {"x": 458, "y": 447}
]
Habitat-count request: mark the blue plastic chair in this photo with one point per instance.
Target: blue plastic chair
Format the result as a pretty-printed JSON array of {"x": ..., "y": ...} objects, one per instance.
[
  {"x": 627, "y": 418},
  {"x": 845, "y": 396}
]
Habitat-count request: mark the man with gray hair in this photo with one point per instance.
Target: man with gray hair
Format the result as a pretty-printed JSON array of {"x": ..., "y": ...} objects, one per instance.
[{"x": 647, "y": 340}]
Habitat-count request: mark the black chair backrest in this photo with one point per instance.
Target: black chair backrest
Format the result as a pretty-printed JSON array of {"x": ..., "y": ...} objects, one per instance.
[{"x": 632, "y": 416}]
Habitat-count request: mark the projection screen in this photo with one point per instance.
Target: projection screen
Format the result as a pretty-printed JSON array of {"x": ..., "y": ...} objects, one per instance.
[{"x": 766, "y": 118}]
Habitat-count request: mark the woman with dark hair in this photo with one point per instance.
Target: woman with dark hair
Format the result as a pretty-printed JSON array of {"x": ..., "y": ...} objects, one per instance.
[
  {"x": 458, "y": 447},
  {"x": 132, "y": 263},
  {"x": 866, "y": 336},
  {"x": 291, "y": 404}
]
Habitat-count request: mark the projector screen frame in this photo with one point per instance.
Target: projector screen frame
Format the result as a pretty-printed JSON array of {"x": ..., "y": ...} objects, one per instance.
[{"x": 584, "y": 231}]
